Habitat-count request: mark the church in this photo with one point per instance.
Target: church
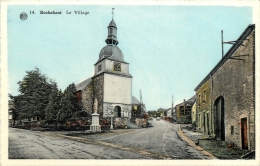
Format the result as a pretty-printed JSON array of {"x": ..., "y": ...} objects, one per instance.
[{"x": 111, "y": 86}]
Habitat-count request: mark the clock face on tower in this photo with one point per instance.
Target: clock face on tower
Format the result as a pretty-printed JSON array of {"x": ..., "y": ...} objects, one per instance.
[{"x": 117, "y": 66}]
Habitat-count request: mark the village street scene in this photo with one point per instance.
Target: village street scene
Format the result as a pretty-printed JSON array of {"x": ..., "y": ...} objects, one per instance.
[{"x": 107, "y": 115}]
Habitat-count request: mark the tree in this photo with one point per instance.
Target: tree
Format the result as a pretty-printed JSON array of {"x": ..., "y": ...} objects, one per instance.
[
  {"x": 53, "y": 106},
  {"x": 34, "y": 94},
  {"x": 152, "y": 113},
  {"x": 69, "y": 104},
  {"x": 14, "y": 111}
]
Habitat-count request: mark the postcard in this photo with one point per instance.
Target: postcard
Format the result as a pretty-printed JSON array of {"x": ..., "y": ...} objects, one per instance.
[{"x": 130, "y": 83}]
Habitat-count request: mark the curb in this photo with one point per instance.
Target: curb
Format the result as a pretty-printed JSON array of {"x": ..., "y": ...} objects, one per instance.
[{"x": 192, "y": 144}]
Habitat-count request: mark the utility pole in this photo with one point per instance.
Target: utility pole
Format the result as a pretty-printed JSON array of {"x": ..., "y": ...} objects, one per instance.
[
  {"x": 184, "y": 108},
  {"x": 141, "y": 100},
  {"x": 172, "y": 105},
  {"x": 222, "y": 43}
]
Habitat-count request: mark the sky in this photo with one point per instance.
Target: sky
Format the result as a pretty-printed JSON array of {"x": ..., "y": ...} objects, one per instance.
[{"x": 170, "y": 49}]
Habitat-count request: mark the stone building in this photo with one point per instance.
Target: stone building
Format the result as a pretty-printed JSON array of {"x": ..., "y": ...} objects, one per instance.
[
  {"x": 230, "y": 111},
  {"x": 137, "y": 108},
  {"x": 203, "y": 110},
  {"x": 111, "y": 84},
  {"x": 183, "y": 111}
]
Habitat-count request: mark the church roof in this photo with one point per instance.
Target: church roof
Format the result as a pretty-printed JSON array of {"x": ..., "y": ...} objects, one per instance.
[
  {"x": 83, "y": 84},
  {"x": 111, "y": 52},
  {"x": 135, "y": 101}
]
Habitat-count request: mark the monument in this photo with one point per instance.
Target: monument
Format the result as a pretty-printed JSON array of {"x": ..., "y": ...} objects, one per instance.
[{"x": 95, "y": 127}]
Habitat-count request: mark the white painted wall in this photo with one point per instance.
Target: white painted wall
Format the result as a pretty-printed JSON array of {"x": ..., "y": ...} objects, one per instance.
[
  {"x": 108, "y": 65},
  {"x": 117, "y": 89},
  {"x": 103, "y": 67}
]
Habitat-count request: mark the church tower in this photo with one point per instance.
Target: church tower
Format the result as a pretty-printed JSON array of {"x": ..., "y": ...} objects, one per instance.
[{"x": 112, "y": 82}]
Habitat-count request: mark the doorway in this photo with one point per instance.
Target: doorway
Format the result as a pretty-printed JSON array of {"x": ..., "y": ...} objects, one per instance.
[
  {"x": 244, "y": 133},
  {"x": 117, "y": 111},
  {"x": 208, "y": 124},
  {"x": 220, "y": 118}
]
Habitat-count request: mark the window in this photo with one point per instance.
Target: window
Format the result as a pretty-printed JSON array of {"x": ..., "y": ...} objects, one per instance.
[
  {"x": 99, "y": 67},
  {"x": 199, "y": 99},
  {"x": 204, "y": 96},
  {"x": 232, "y": 130},
  {"x": 110, "y": 31}
]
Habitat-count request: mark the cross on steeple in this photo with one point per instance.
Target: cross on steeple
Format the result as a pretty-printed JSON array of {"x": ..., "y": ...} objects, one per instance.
[{"x": 112, "y": 13}]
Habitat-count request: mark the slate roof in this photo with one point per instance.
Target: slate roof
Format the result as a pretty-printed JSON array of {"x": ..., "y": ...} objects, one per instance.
[
  {"x": 189, "y": 102},
  {"x": 135, "y": 101},
  {"x": 83, "y": 84},
  {"x": 111, "y": 52}
]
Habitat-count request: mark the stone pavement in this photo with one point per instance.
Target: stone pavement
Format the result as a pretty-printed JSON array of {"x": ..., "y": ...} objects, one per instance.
[
  {"x": 194, "y": 136},
  {"x": 217, "y": 149},
  {"x": 187, "y": 139}
]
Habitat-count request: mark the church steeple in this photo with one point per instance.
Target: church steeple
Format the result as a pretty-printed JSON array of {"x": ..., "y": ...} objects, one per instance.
[{"x": 112, "y": 31}]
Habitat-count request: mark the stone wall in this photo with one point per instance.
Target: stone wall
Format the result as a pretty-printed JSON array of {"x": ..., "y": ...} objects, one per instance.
[
  {"x": 93, "y": 90},
  {"x": 120, "y": 123},
  {"x": 109, "y": 109},
  {"x": 97, "y": 83},
  {"x": 87, "y": 98},
  {"x": 140, "y": 122},
  {"x": 234, "y": 81}
]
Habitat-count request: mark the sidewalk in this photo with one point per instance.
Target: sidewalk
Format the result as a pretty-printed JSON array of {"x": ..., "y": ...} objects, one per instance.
[{"x": 217, "y": 149}]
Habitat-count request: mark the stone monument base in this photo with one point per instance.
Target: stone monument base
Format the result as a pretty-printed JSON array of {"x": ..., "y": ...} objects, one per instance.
[{"x": 95, "y": 128}]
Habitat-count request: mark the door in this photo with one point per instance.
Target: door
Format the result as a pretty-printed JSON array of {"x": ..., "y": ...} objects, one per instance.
[
  {"x": 208, "y": 123},
  {"x": 244, "y": 133},
  {"x": 204, "y": 122}
]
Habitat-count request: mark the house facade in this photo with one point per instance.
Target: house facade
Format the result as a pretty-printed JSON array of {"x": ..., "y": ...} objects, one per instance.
[
  {"x": 183, "y": 111},
  {"x": 138, "y": 108},
  {"x": 169, "y": 112},
  {"x": 232, "y": 94},
  {"x": 203, "y": 110},
  {"x": 193, "y": 113}
]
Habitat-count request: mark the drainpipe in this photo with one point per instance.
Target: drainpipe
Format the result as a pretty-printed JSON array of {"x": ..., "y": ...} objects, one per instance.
[
  {"x": 249, "y": 145},
  {"x": 211, "y": 108}
]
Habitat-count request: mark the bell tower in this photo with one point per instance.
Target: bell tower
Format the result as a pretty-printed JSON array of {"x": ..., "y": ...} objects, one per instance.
[{"x": 112, "y": 82}]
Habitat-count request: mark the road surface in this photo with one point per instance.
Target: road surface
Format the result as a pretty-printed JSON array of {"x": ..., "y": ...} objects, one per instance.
[
  {"x": 160, "y": 139},
  {"x": 158, "y": 142},
  {"x": 25, "y": 144}
]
